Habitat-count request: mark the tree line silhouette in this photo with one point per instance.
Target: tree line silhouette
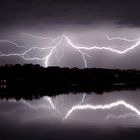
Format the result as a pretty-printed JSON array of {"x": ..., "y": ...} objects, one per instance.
[{"x": 29, "y": 79}]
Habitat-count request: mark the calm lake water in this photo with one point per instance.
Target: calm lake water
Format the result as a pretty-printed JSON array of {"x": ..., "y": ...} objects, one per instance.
[{"x": 114, "y": 115}]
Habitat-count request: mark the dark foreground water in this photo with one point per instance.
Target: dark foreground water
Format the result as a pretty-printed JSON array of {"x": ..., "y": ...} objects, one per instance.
[{"x": 81, "y": 116}]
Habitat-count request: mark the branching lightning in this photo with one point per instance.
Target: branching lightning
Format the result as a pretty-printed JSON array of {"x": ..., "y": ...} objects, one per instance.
[
  {"x": 54, "y": 45},
  {"x": 38, "y": 37},
  {"x": 122, "y": 38},
  {"x": 83, "y": 51},
  {"x": 10, "y": 42}
]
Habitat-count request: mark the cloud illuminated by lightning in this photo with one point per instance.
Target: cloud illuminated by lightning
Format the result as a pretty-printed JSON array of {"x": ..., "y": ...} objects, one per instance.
[{"x": 54, "y": 45}]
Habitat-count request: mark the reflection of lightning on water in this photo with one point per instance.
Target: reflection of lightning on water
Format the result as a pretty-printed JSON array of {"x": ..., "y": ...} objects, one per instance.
[
  {"x": 30, "y": 105},
  {"x": 101, "y": 107},
  {"x": 54, "y": 43},
  {"x": 81, "y": 107},
  {"x": 34, "y": 107},
  {"x": 123, "y": 116},
  {"x": 83, "y": 98},
  {"x": 49, "y": 99}
]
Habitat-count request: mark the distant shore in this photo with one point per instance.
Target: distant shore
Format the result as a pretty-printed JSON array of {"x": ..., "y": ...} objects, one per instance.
[{"x": 33, "y": 80}]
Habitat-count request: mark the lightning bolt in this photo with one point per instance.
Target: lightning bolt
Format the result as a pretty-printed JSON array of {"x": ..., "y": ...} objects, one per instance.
[
  {"x": 12, "y": 43},
  {"x": 38, "y": 37},
  {"x": 122, "y": 38},
  {"x": 52, "y": 40},
  {"x": 54, "y": 43}
]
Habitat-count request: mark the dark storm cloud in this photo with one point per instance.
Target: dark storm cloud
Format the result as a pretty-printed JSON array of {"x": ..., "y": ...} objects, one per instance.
[{"x": 30, "y": 12}]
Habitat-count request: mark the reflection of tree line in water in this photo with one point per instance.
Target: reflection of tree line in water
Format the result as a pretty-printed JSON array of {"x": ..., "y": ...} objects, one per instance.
[{"x": 27, "y": 80}]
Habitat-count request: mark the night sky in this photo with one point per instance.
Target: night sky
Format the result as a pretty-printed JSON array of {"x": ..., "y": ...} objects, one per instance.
[
  {"x": 51, "y": 33},
  {"x": 85, "y": 22},
  {"x": 67, "y": 12}
]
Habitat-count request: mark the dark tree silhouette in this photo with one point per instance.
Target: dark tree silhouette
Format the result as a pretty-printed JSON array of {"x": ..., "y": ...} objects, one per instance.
[{"x": 27, "y": 80}]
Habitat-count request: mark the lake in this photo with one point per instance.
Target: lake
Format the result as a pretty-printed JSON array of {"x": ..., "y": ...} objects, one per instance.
[{"x": 112, "y": 115}]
